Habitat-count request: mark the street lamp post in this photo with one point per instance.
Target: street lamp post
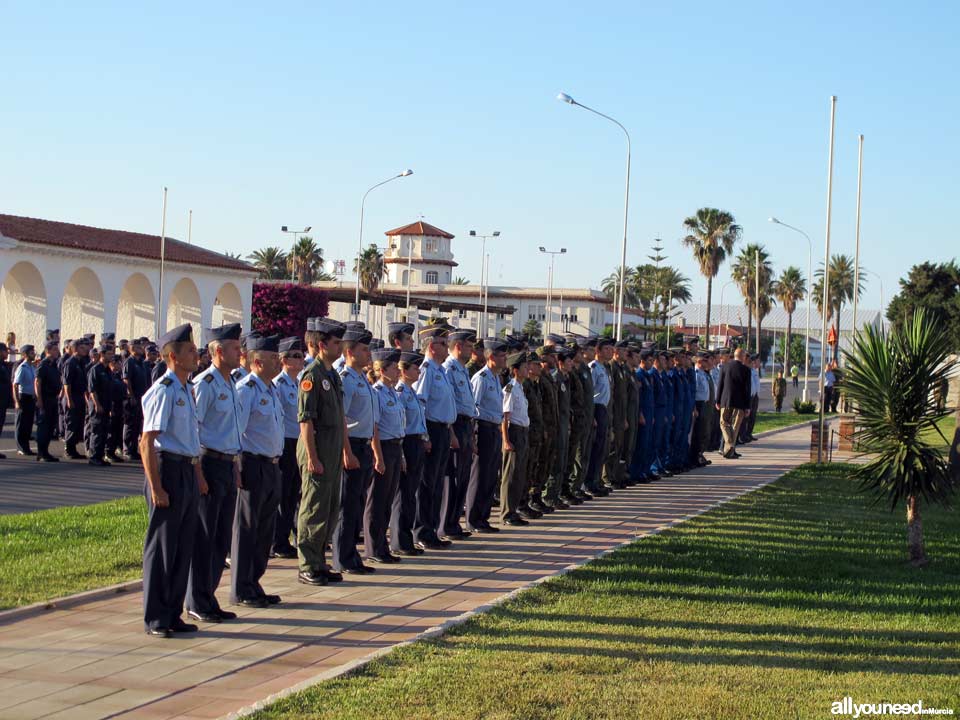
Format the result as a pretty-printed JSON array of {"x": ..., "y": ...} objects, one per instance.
[
  {"x": 553, "y": 254},
  {"x": 293, "y": 260},
  {"x": 363, "y": 202},
  {"x": 806, "y": 359},
  {"x": 483, "y": 276},
  {"x": 563, "y": 97}
]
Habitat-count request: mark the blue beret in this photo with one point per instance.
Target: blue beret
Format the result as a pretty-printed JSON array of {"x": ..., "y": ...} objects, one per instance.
[
  {"x": 261, "y": 343},
  {"x": 386, "y": 355},
  {"x": 291, "y": 343},
  {"x": 413, "y": 358},
  {"x": 181, "y": 333},
  {"x": 224, "y": 332}
]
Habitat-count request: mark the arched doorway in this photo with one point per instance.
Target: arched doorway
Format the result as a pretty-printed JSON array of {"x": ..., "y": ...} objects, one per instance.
[
  {"x": 137, "y": 308},
  {"x": 184, "y": 306},
  {"x": 227, "y": 307},
  {"x": 81, "y": 311},
  {"x": 23, "y": 305}
]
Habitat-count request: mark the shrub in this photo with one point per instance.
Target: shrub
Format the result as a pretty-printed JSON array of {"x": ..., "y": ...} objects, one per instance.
[
  {"x": 804, "y": 408},
  {"x": 283, "y": 309}
]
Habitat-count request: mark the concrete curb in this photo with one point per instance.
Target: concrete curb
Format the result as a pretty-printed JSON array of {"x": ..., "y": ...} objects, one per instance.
[{"x": 438, "y": 630}]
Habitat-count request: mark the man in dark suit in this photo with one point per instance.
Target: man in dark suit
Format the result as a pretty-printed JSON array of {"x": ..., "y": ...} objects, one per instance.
[{"x": 733, "y": 401}]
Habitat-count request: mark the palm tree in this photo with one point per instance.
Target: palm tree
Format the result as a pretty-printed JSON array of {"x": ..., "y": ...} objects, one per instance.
[
  {"x": 789, "y": 289},
  {"x": 531, "y": 328},
  {"x": 458, "y": 280},
  {"x": 305, "y": 261},
  {"x": 372, "y": 269},
  {"x": 672, "y": 287},
  {"x": 840, "y": 290},
  {"x": 892, "y": 379},
  {"x": 611, "y": 287},
  {"x": 270, "y": 262},
  {"x": 711, "y": 234},
  {"x": 744, "y": 274}
]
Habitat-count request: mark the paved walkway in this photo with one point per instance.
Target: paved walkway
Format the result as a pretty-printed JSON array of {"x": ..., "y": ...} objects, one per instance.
[{"x": 92, "y": 660}]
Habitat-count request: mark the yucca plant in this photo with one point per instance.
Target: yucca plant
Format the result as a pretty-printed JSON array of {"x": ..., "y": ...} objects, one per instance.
[{"x": 891, "y": 380}]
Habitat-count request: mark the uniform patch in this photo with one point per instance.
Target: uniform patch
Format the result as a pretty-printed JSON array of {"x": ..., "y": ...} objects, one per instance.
[
  {"x": 221, "y": 396},
  {"x": 181, "y": 402},
  {"x": 307, "y": 385},
  {"x": 563, "y": 388},
  {"x": 263, "y": 401},
  {"x": 209, "y": 379},
  {"x": 325, "y": 383},
  {"x": 166, "y": 382}
]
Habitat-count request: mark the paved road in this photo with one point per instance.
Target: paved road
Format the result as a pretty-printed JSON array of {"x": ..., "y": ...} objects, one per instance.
[{"x": 93, "y": 660}]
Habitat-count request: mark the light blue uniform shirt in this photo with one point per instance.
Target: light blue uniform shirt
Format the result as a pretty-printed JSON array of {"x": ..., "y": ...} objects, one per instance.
[
  {"x": 754, "y": 381},
  {"x": 391, "y": 423},
  {"x": 218, "y": 411},
  {"x": 359, "y": 405},
  {"x": 435, "y": 392},
  {"x": 169, "y": 409},
  {"x": 601, "y": 383},
  {"x": 339, "y": 364},
  {"x": 415, "y": 422},
  {"x": 238, "y": 374},
  {"x": 515, "y": 403},
  {"x": 24, "y": 377},
  {"x": 715, "y": 374},
  {"x": 261, "y": 417},
  {"x": 462, "y": 392},
  {"x": 703, "y": 386},
  {"x": 488, "y": 395},
  {"x": 286, "y": 388},
  {"x": 829, "y": 378}
]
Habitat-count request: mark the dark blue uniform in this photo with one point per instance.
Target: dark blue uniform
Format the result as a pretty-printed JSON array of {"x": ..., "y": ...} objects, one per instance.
[
  {"x": 119, "y": 399},
  {"x": 642, "y": 449},
  {"x": 48, "y": 417},
  {"x": 99, "y": 385},
  {"x": 74, "y": 380},
  {"x": 663, "y": 448},
  {"x": 137, "y": 375}
]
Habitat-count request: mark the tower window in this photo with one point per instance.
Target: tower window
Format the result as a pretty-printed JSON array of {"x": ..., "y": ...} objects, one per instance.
[{"x": 431, "y": 277}]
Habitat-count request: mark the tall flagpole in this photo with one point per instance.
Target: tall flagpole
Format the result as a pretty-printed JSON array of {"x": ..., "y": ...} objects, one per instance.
[
  {"x": 163, "y": 252},
  {"x": 826, "y": 273},
  {"x": 856, "y": 260}
]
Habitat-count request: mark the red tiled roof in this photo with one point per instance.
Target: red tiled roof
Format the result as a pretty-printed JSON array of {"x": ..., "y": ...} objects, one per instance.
[
  {"x": 116, "y": 242},
  {"x": 419, "y": 228}
]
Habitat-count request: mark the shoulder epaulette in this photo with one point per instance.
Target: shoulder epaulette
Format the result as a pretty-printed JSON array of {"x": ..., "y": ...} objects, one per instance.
[
  {"x": 208, "y": 378},
  {"x": 251, "y": 382},
  {"x": 166, "y": 381},
  {"x": 509, "y": 388}
]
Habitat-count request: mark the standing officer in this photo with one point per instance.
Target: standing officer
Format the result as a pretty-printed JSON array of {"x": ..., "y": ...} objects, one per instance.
[
  {"x": 535, "y": 433},
  {"x": 440, "y": 408},
  {"x": 285, "y": 383},
  {"x": 664, "y": 438},
  {"x": 547, "y": 485},
  {"x": 75, "y": 388},
  {"x": 66, "y": 352},
  {"x": 99, "y": 404},
  {"x": 362, "y": 411},
  {"x": 561, "y": 380},
  {"x": 48, "y": 393},
  {"x": 391, "y": 423},
  {"x": 169, "y": 447},
  {"x": 514, "y": 428},
  {"x": 631, "y": 383},
  {"x": 581, "y": 464},
  {"x": 488, "y": 397},
  {"x": 400, "y": 336},
  {"x": 118, "y": 396},
  {"x": 601, "y": 404},
  {"x": 477, "y": 359},
  {"x": 136, "y": 376},
  {"x": 261, "y": 442},
  {"x": 570, "y": 491},
  {"x": 25, "y": 399},
  {"x": 642, "y": 456},
  {"x": 461, "y": 460},
  {"x": 218, "y": 415},
  {"x": 617, "y": 417},
  {"x": 415, "y": 445},
  {"x": 6, "y": 389},
  {"x": 321, "y": 451}
]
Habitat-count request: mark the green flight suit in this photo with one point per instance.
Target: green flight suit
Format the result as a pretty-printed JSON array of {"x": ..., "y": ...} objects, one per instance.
[
  {"x": 320, "y": 399},
  {"x": 581, "y": 461},
  {"x": 531, "y": 389},
  {"x": 577, "y": 429},
  {"x": 558, "y": 477},
  {"x": 633, "y": 412},
  {"x": 618, "y": 416},
  {"x": 546, "y": 483}
]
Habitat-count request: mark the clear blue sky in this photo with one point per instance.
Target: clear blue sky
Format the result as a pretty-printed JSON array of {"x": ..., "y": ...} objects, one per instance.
[{"x": 258, "y": 116}]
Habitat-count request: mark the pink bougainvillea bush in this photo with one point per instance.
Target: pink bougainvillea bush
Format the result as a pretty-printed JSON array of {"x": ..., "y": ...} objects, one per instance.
[{"x": 283, "y": 309}]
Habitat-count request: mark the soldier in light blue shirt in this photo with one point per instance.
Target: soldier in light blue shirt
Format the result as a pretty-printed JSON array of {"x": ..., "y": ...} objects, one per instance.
[
  {"x": 218, "y": 413},
  {"x": 169, "y": 449},
  {"x": 488, "y": 396},
  {"x": 362, "y": 412},
  {"x": 601, "y": 403},
  {"x": 415, "y": 446},
  {"x": 261, "y": 442},
  {"x": 25, "y": 399},
  {"x": 285, "y": 384},
  {"x": 391, "y": 424},
  {"x": 460, "y": 342}
]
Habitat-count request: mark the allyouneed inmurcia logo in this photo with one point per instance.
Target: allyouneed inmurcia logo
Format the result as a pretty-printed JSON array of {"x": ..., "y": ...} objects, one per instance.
[{"x": 848, "y": 707}]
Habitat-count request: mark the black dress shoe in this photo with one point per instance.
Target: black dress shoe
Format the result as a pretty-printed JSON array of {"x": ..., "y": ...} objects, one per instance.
[
  {"x": 458, "y": 535},
  {"x": 540, "y": 507},
  {"x": 253, "y": 602},
  {"x": 98, "y": 462},
  {"x": 113, "y": 457},
  {"x": 332, "y": 575},
  {"x": 384, "y": 559},
  {"x": 485, "y": 530},
  {"x": 272, "y": 599},
  {"x": 160, "y": 632},
  {"x": 360, "y": 570},
  {"x": 211, "y": 617},
  {"x": 433, "y": 544},
  {"x": 515, "y": 520},
  {"x": 47, "y": 458},
  {"x": 179, "y": 626},
  {"x": 311, "y": 577},
  {"x": 556, "y": 505},
  {"x": 408, "y": 552},
  {"x": 226, "y": 614},
  {"x": 584, "y": 495}
]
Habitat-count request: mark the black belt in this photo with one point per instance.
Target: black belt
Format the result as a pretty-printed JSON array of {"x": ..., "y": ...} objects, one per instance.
[
  {"x": 392, "y": 441},
  {"x": 264, "y": 458},
  {"x": 436, "y": 422},
  {"x": 217, "y": 455},
  {"x": 491, "y": 423},
  {"x": 360, "y": 441},
  {"x": 177, "y": 457}
]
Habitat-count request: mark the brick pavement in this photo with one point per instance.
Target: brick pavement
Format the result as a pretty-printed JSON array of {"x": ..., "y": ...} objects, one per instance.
[{"x": 92, "y": 660}]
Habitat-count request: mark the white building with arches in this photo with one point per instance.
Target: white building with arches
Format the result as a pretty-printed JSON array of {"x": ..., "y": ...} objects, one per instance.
[{"x": 84, "y": 279}]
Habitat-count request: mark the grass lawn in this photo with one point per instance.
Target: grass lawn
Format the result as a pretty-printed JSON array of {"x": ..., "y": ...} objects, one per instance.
[
  {"x": 773, "y": 420},
  {"x": 772, "y": 606},
  {"x": 52, "y": 553}
]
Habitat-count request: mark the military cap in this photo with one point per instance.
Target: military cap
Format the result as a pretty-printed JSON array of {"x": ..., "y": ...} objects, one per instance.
[
  {"x": 355, "y": 325},
  {"x": 622, "y": 344},
  {"x": 224, "y": 332},
  {"x": 52, "y": 333},
  {"x": 724, "y": 351},
  {"x": 691, "y": 339},
  {"x": 462, "y": 335},
  {"x": 151, "y": 348},
  {"x": 554, "y": 339},
  {"x": 386, "y": 355},
  {"x": 433, "y": 331},
  {"x": 704, "y": 354},
  {"x": 413, "y": 358},
  {"x": 494, "y": 344},
  {"x": 588, "y": 342},
  {"x": 104, "y": 347},
  {"x": 181, "y": 333},
  {"x": 646, "y": 353},
  {"x": 24, "y": 349},
  {"x": 546, "y": 350},
  {"x": 357, "y": 335},
  {"x": 50, "y": 345},
  {"x": 289, "y": 344},
  {"x": 262, "y": 343},
  {"x": 377, "y": 344},
  {"x": 604, "y": 342},
  {"x": 246, "y": 338},
  {"x": 108, "y": 336},
  {"x": 516, "y": 360},
  {"x": 312, "y": 324},
  {"x": 328, "y": 326},
  {"x": 666, "y": 354},
  {"x": 89, "y": 336},
  {"x": 401, "y": 327}
]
